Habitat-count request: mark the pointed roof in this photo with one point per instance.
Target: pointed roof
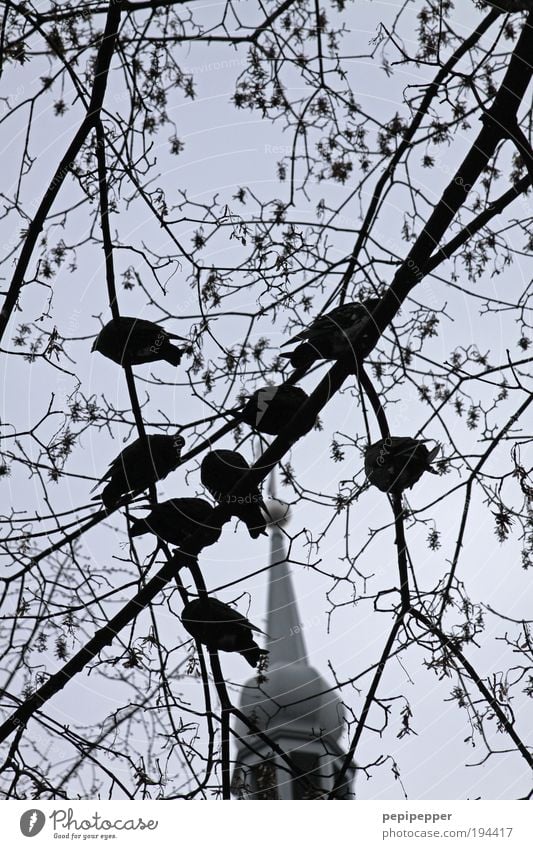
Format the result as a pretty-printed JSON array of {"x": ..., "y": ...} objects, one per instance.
[
  {"x": 284, "y": 626},
  {"x": 292, "y": 700}
]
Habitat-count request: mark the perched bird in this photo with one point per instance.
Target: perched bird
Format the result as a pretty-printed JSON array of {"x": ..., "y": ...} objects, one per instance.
[
  {"x": 176, "y": 519},
  {"x": 269, "y": 409},
  {"x": 219, "y": 473},
  {"x": 511, "y": 5},
  {"x": 221, "y": 628},
  {"x": 397, "y": 462},
  {"x": 337, "y": 334},
  {"x": 133, "y": 470},
  {"x": 134, "y": 341}
]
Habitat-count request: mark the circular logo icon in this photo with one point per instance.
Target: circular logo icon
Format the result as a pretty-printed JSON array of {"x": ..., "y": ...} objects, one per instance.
[{"x": 32, "y": 822}]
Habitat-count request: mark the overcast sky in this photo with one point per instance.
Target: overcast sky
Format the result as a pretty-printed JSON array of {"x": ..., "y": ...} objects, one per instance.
[{"x": 225, "y": 149}]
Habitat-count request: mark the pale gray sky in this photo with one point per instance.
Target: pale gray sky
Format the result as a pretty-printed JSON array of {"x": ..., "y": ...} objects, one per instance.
[{"x": 225, "y": 149}]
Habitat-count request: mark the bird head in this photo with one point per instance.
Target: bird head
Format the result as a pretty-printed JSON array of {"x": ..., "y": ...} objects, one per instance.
[{"x": 302, "y": 357}]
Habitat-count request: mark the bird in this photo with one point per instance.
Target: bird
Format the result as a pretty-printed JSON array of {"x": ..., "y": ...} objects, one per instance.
[
  {"x": 221, "y": 628},
  {"x": 135, "y": 341},
  {"x": 511, "y": 5},
  {"x": 134, "y": 470},
  {"x": 219, "y": 472},
  {"x": 177, "y": 519},
  {"x": 398, "y": 462},
  {"x": 270, "y": 408},
  {"x": 334, "y": 335}
]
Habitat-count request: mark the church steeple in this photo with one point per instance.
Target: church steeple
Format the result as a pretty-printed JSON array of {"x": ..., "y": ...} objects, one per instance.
[
  {"x": 292, "y": 703},
  {"x": 286, "y": 644}
]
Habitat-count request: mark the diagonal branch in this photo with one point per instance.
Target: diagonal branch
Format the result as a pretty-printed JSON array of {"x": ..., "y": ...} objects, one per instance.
[
  {"x": 495, "y": 208},
  {"x": 103, "y": 62},
  {"x": 503, "y": 112},
  {"x": 431, "y": 93},
  {"x": 454, "y": 649}
]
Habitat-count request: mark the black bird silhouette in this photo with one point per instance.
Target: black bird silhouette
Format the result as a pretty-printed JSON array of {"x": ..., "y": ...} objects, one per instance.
[
  {"x": 336, "y": 334},
  {"x": 176, "y": 519},
  {"x": 134, "y": 341},
  {"x": 221, "y": 628},
  {"x": 134, "y": 470},
  {"x": 269, "y": 409},
  {"x": 397, "y": 462},
  {"x": 219, "y": 473}
]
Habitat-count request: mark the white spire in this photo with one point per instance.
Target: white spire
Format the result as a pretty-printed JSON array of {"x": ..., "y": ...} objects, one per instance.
[
  {"x": 284, "y": 627},
  {"x": 289, "y": 700}
]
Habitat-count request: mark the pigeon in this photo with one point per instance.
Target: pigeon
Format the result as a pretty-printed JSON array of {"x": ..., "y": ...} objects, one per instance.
[
  {"x": 176, "y": 519},
  {"x": 269, "y": 409},
  {"x": 219, "y": 473},
  {"x": 221, "y": 628},
  {"x": 133, "y": 470},
  {"x": 334, "y": 335},
  {"x": 511, "y": 5},
  {"x": 134, "y": 341},
  {"x": 397, "y": 462}
]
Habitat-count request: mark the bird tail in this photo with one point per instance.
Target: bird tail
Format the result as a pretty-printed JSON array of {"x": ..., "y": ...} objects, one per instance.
[
  {"x": 173, "y": 355},
  {"x": 290, "y": 342},
  {"x": 254, "y": 655},
  {"x": 288, "y": 355},
  {"x": 431, "y": 456}
]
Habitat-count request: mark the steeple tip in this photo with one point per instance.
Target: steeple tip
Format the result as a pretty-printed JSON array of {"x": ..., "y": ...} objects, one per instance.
[{"x": 280, "y": 513}]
